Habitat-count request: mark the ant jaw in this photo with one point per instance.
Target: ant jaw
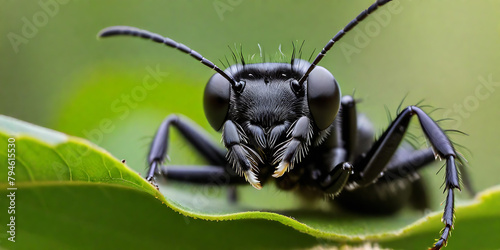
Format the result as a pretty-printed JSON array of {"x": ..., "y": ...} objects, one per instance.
[
  {"x": 281, "y": 169},
  {"x": 251, "y": 178}
]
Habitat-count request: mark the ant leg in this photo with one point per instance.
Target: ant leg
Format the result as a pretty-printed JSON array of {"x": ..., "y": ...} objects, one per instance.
[
  {"x": 206, "y": 175},
  {"x": 369, "y": 167},
  {"x": 407, "y": 163},
  {"x": 349, "y": 126},
  {"x": 194, "y": 135},
  {"x": 343, "y": 140},
  {"x": 352, "y": 135},
  {"x": 209, "y": 175},
  {"x": 242, "y": 158},
  {"x": 294, "y": 148},
  {"x": 336, "y": 179}
]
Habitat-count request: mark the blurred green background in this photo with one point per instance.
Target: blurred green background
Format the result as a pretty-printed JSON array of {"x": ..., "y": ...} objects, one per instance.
[{"x": 55, "y": 73}]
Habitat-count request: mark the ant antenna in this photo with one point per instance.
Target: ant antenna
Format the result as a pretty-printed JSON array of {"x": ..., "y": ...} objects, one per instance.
[
  {"x": 340, "y": 34},
  {"x": 131, "y": 31}
]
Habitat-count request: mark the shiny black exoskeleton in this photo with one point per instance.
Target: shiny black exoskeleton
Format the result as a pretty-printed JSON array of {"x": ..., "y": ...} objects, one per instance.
[{"x": 288, "y": 122}]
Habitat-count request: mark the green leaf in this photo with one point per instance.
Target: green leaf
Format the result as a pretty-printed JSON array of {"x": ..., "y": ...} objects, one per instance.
[
  {"x": 46, "y": 156},
  {"x": 72, "y": 194}
]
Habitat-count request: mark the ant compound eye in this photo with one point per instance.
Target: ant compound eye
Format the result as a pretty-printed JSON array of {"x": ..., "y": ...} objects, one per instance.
[
  {"x": 296, "y": 87},
  {"x": 216, "y": 100},
  {"x": 239, "y": 86},
  {"x": 323, "y": 96}
]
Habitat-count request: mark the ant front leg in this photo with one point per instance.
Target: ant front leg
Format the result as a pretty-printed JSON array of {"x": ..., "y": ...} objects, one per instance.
[
  {"x": 295, "y": 147},
  {"x": 242, "y": 158},
  {"x": 369, "y": 168},
  {"x": 344, "y": 137},
  {"x": 196, "y": 137}
]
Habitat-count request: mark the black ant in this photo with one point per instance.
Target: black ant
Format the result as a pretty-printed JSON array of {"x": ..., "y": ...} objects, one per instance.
[{"x": 288, "y": 122}]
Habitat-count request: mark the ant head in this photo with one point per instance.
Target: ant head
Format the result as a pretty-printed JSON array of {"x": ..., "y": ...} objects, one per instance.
[{"x": 269, "y": 94}]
